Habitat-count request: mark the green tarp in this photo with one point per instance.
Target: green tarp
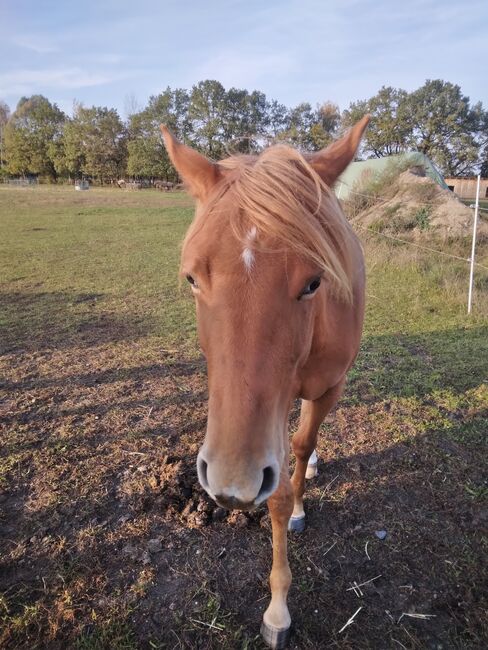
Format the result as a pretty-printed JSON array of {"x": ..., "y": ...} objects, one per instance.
[{"x": 351, "y": 178}]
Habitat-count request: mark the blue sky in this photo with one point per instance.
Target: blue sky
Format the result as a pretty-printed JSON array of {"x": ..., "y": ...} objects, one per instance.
[{"x": 294, "y": 50}]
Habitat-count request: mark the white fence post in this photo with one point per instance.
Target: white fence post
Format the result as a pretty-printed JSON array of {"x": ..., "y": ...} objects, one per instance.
[{"x": 473, "y": 245}]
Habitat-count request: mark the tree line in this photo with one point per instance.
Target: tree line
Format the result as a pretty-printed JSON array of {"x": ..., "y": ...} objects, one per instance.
[{"x": 39, "y": 139}]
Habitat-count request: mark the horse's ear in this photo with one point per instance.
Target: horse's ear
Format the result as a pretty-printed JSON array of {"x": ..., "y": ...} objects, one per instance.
[
  {"x": 333, "y": 160},
  {"x": 199, "y": 173}
]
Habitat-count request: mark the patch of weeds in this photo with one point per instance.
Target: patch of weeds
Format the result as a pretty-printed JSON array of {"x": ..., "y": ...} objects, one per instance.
[
  {"x": 22, "y": 625},
  {"x": 143, "y": 583},
  {"x": 477, "y": 492},
  {"x": 471, "y": 432},
  {"x": 7, "y": 464},
  {"x": 378, "y": 226},
  {"x": 424, "y": 192},
  {"x": 422, "y": 217},
  {"x": 402, "y": 222},
  {"x": 210, "y": 611},
  {"x": 114, "y": 633},
  {"x": 391, "y": 210}
]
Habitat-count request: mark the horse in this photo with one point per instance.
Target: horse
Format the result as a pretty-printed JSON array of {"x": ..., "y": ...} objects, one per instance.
[{"x": 279, "y": 284}]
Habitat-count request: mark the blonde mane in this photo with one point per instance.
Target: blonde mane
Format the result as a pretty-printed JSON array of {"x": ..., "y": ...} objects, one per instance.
[{"x": 280, "y": 194}]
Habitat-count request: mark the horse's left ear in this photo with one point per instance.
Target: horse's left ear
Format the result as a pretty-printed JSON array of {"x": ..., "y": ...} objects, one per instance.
[
  {"x": 199, "y": 173},
  {"x": 333, "y": 160}
]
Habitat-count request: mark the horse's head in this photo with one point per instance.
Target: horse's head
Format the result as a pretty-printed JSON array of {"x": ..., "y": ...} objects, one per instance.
[{"x": 266, "y": 248}]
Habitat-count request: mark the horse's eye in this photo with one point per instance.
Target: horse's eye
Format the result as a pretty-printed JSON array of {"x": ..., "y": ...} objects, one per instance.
[
  {"x": 192, "y": 281},
  {"x": 311, "y": 288}
]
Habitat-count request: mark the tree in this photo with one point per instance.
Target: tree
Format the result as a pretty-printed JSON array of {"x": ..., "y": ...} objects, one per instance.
[
  {"x": 243, "y": 120},
  {"x": 207, "y": 105},
  {"x": 483, "y": 139},
  {"x": 276, "y": 121},
  {"x": 444, "y": 126},
  {"x": 94, "y": 143},
  {"x": 4, "y": 117},
  {"x": 28, "y": 134},
  {"x": 390, "y": 130},
  {"x": 325, "y": 126},
  {"x": 435, "y": 119},
  {"x": 147, "y": 155},
  {"x": 310, "y": 129}
]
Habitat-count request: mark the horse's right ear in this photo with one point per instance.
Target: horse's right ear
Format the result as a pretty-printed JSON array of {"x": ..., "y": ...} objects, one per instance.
[{"x": 199, "y": 173}]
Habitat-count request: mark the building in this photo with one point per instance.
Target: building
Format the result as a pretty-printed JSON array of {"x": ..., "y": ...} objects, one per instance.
[{"x": 465, "y": 188}]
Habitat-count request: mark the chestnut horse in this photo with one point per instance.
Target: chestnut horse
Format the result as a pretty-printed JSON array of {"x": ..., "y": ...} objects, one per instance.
[{"x": 278, "y": 280}]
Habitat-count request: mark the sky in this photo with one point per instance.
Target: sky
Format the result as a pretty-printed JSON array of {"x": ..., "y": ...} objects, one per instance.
[{"x": 117, "y": 54}]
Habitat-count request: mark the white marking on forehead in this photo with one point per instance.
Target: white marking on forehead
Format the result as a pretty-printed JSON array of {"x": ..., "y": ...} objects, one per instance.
[{"x": 247, "y": 253}]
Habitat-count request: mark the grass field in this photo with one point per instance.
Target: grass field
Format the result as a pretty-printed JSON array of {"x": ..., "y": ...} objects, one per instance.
[{"x": 108, "y": 542}]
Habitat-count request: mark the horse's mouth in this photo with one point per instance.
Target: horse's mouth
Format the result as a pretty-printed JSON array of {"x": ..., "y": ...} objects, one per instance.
[{"x": 231, "y": 503}]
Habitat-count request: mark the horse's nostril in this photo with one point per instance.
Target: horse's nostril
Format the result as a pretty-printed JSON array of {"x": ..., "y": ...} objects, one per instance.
[
  {"x": 202, "y": 471},
  {"x": 267, "y": 484}
]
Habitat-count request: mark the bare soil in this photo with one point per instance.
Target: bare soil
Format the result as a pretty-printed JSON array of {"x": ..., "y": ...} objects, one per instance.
[{"x": 108, "y": 541}]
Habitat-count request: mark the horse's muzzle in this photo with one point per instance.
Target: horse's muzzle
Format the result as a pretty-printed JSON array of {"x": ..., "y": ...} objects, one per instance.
[{"x": 234, "y": 491}]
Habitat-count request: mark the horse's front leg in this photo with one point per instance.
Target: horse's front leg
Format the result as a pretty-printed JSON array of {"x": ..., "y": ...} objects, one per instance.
[
  {"x": 303, "y": 444},
  {"x": 276, "y": 620}
]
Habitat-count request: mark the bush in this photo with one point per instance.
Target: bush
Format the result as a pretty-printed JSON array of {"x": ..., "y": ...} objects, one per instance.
[{"x": 422, "y": 217}]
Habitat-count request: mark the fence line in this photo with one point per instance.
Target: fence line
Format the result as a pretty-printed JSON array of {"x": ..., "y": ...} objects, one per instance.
[{"x": 411, "y": 243}]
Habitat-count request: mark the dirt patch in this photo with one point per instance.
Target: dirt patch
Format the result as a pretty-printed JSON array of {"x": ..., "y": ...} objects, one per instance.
[{"x": 109, "y": 541}]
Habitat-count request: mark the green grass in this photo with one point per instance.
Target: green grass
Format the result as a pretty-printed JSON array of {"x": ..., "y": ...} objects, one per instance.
[{"x": 67, "y": 259}]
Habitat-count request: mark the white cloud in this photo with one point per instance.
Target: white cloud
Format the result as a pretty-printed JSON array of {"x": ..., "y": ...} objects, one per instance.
[
  {"x": 35, "y": 43},
  {"x": 24, "y": 82},
  {"x": 246, "y": 70}
]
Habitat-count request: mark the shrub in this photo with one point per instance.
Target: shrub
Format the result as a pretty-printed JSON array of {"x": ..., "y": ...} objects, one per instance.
[{"x": 422, "y": 217}]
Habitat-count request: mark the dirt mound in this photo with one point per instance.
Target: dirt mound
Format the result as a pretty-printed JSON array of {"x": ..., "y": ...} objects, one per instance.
[{"x": 415, "y": 203}]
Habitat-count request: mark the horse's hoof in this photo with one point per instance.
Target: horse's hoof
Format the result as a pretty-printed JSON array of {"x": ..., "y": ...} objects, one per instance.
[
  {"x": 275, "y": 638},
  {"x": 296, "y": 524},
  {"x": 312, "y": 471}
]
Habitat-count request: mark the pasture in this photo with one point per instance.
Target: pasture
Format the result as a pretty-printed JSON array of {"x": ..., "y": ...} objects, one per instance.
[{"x": 107, "y": 540}]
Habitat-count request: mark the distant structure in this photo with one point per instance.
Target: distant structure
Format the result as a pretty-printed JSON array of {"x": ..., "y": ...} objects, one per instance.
[
  {"x": 360, "y": 170},
  {"x": 465, "y": 188},
  {"x": 82, "y": 185}
]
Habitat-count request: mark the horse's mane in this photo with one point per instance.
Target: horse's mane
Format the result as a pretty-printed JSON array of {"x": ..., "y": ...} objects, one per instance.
[{"x": 280, "y": 194}]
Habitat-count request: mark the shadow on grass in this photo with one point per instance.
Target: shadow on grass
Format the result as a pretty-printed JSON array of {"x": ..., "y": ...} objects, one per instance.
[
  {"x": 35, "y": 321},
  {"x": 426, "y": 492},
  {"x": 416, "y": 365},
  {"x": 165, "y": 369}
]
